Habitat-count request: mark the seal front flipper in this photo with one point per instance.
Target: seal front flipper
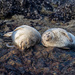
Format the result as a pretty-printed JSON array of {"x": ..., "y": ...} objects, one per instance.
[{"x": 68, "y": 36}]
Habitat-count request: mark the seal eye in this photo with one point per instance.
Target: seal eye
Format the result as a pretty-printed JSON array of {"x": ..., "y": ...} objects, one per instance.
[
  {"x": 47, "y": 35},
  {"x": 25, "y": 42}
]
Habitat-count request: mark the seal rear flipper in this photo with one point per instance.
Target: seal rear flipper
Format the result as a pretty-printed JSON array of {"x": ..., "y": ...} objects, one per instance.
[{"x": 8, "y": 34}]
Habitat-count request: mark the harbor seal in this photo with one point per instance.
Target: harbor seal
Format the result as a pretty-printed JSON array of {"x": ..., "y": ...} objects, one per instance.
[
  {"x": 24, "y": 36},
  {"x": 58, "y": 37}
]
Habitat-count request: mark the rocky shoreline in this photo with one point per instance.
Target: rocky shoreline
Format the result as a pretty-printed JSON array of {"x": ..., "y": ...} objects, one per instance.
[
  {"x": 37, "y": 60},
  {"x": 31, "y": 9}
]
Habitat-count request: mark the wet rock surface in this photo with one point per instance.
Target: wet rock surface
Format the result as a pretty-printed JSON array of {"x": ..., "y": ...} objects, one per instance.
[
  {"x": 37, "y": 60},
  {"x": 35, "y": 9}
]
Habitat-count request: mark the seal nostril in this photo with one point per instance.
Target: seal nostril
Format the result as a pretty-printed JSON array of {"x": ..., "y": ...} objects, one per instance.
[{"x": 25, "y": 42}]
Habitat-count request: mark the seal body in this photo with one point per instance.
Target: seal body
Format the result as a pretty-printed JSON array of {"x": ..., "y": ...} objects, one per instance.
[
  {"x": 25, "y": 36},
  {"x": 57, "y": 37}
]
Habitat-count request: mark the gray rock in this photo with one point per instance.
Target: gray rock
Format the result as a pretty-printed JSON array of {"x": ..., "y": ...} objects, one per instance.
[
  {"x": 31, "y": 8},
  {"x": 5, "y": 7},
  {"x": 1, "y": 40}
]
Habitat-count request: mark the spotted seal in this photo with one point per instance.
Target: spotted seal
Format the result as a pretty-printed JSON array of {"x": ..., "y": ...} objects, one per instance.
[
  {"x": 24, "y": 36},
  {"x": 58, "y": 37}
]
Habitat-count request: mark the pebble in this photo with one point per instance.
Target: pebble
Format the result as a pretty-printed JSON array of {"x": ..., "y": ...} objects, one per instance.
[{"x": 1, "y": 41}]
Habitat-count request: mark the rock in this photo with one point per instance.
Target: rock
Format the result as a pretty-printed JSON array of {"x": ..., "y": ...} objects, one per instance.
[
  {"x": 15, "y": 61},
  {"x": 22, "y": 70},
  {"x": 38, "y": 54},
  {"x": 9, "y": 67},
  {"x": 44, "y": 53},
  {"x": 3, "y": 52},
  {"x": 69, "y": 69},
  {"x": 46, "y": 70},
  {"x": 1, "y": 41},
  {"x": 7, "y": 56},
  {"x": 40, "y": 63},
  {"x": 14, "y": 73},
  {"x": 32, "y": 9},
  {"x": 2, "y": 71},
  {"x": 6, "y": 8}
]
